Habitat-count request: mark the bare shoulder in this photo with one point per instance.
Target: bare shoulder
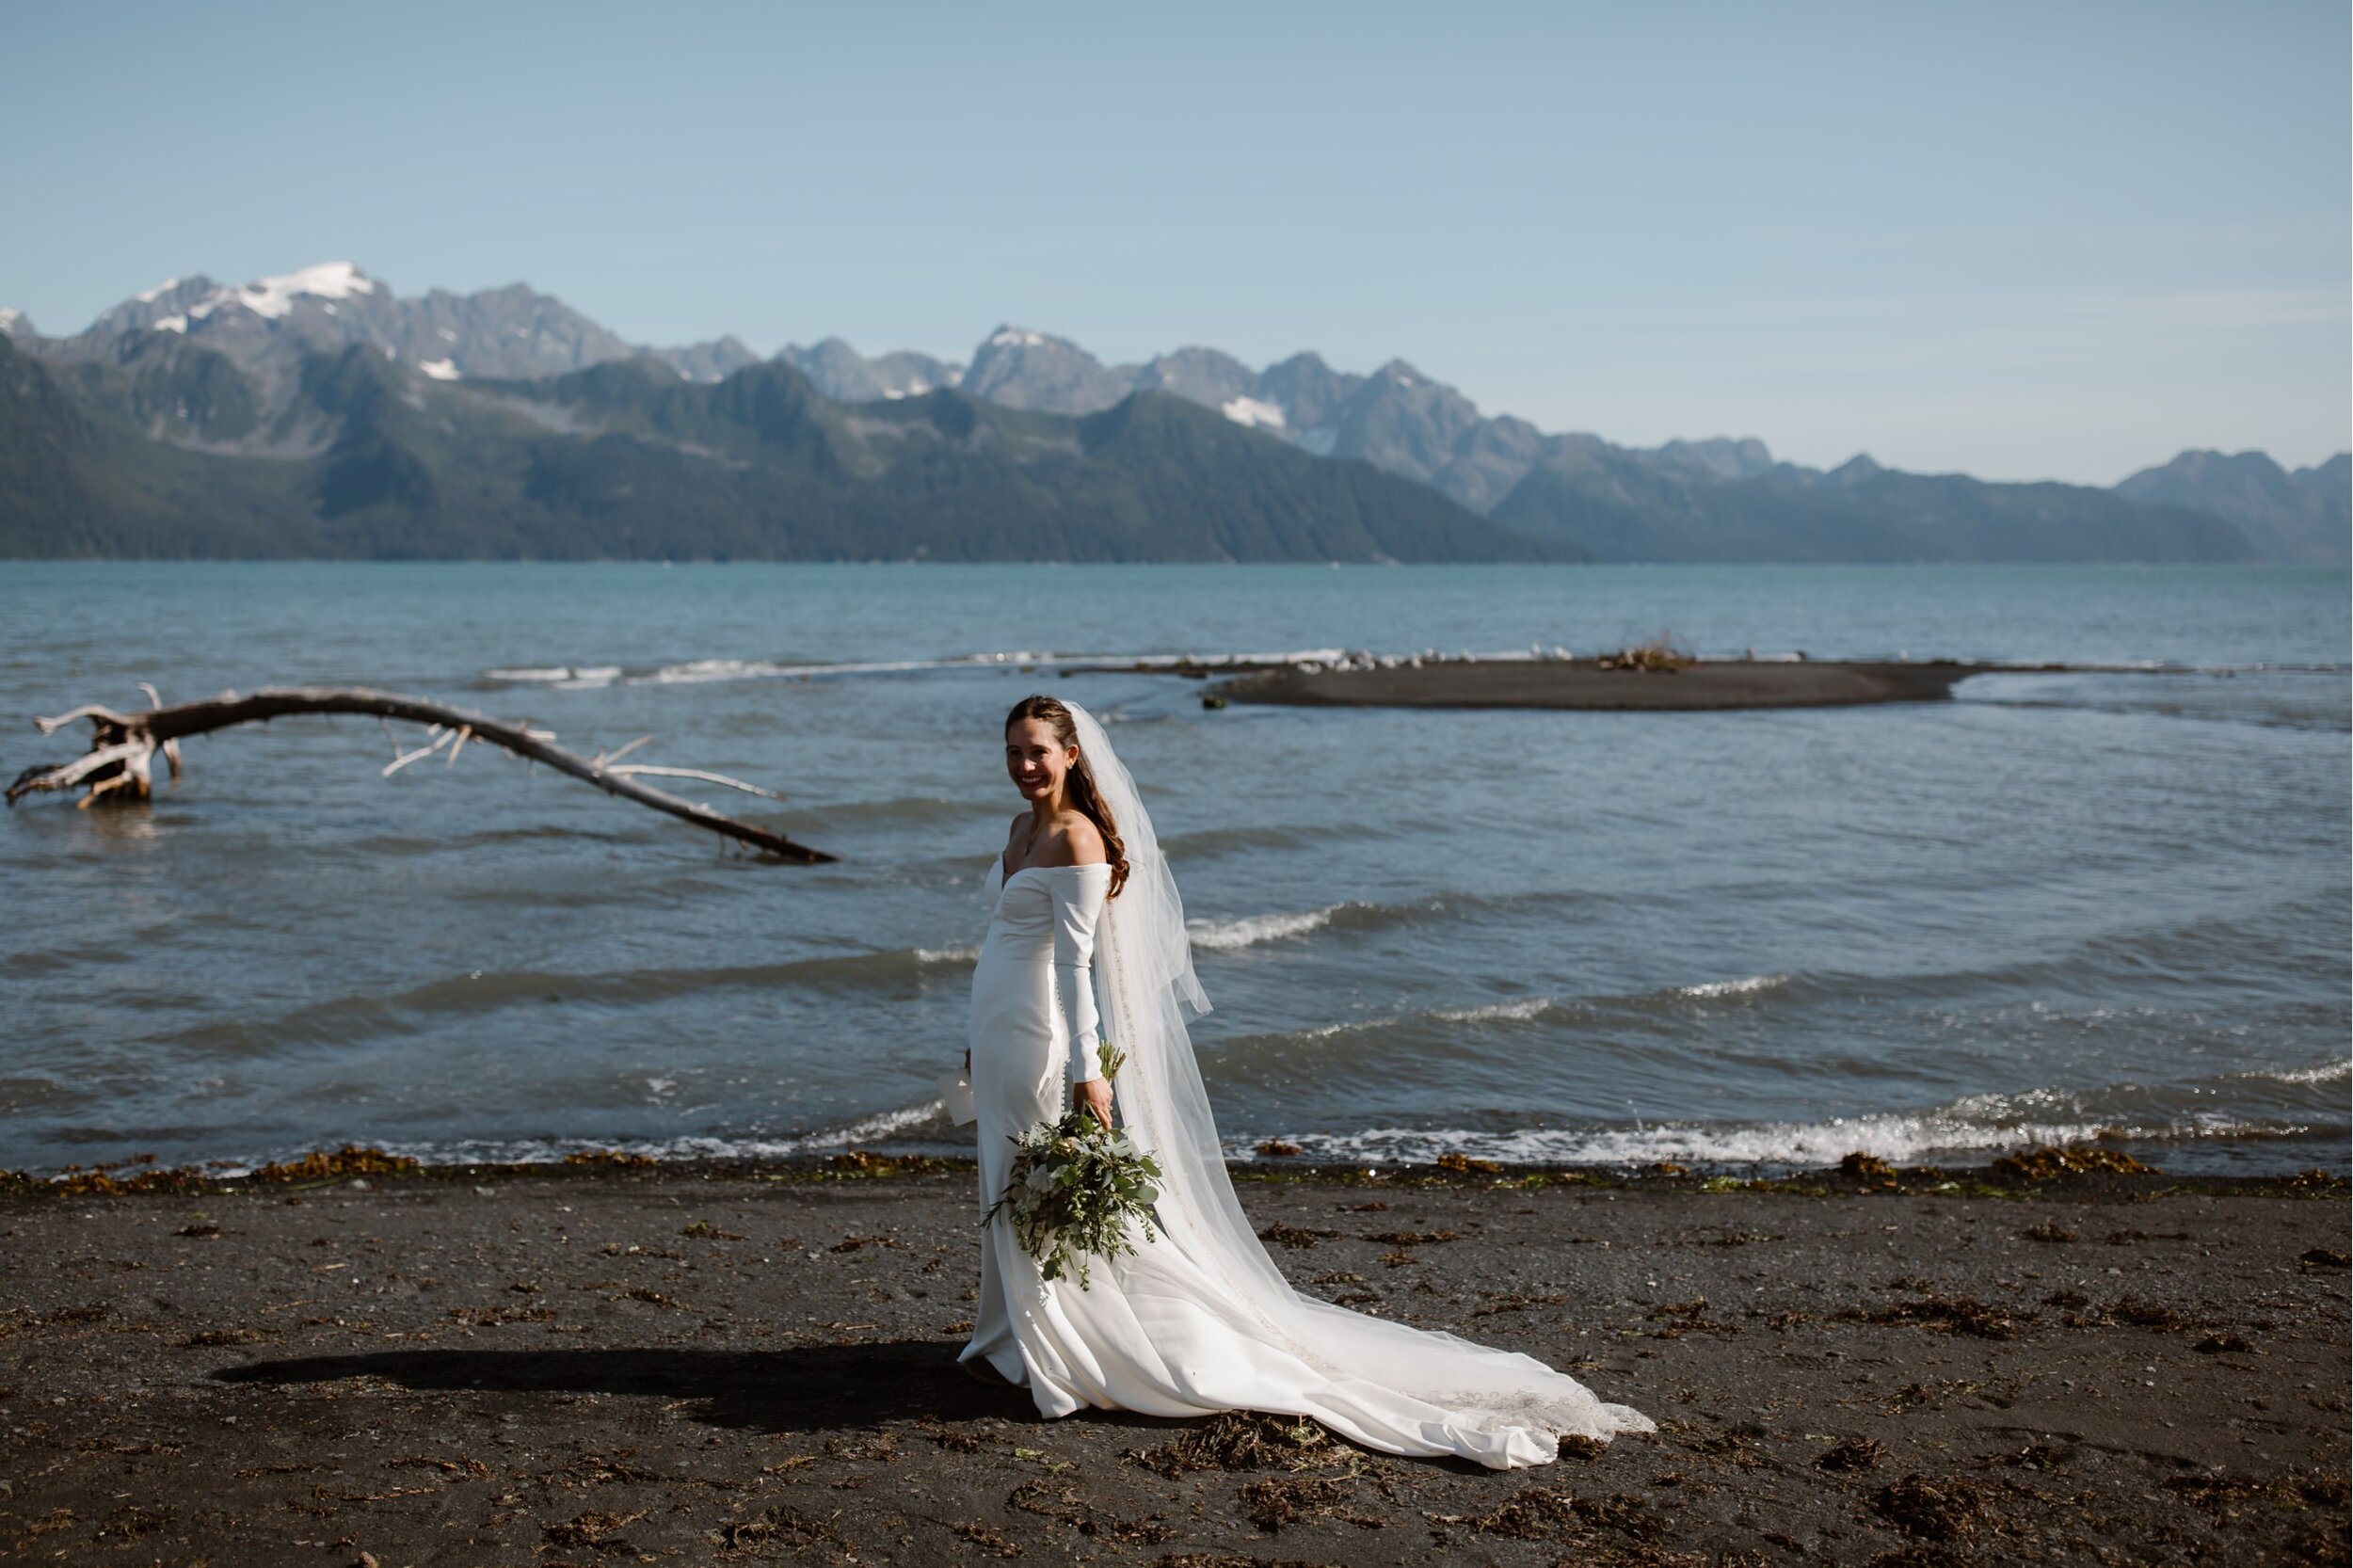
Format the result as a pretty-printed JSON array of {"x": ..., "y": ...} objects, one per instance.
[{"x": 1081, "y": 840}]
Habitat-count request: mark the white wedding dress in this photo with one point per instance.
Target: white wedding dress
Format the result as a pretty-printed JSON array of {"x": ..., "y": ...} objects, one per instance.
[{"x": 1198, "y": 1319}]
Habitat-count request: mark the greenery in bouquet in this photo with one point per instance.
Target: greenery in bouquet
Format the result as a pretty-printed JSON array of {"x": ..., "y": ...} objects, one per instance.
[{"x": 1079, "y": 1190}]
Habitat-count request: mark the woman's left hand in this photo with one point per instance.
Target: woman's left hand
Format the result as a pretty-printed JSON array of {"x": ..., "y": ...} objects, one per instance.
[{"x": 1095, "y": 1094}]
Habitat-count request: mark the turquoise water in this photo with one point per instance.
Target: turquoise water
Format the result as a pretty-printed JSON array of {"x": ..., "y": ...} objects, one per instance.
[{"x": 2060, "y": 903}]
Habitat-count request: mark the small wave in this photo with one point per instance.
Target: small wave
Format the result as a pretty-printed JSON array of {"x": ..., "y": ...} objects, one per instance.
[
  {"x": 1513, "y": 1012},
  {"x": 1353, "y": 914},
  {"x": 873, "y": 1128},
  {"x": 947, "y": 955},
  {"x": 1214, "y": 661},
  {"x": 2328, "y": 1072},
  {"x": 696, "y": 672},
  {"x": 547, "y": 1151},
  {"x": 1667, "y": 1008},
  {"x": 560, "y": 677},
  {"x": 1225, "y": 935},
  {"x": 1359, "y": 914},
  {"x": 1749, "y": 986},
  {"x": 699, "y": 671},
  {"x": 1902, "y": 1139},
  {"x": 1345, "y": 1026}
]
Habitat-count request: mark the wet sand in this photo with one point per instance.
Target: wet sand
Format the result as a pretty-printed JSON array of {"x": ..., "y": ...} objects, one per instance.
[
  {"x": 1588, "y": 684},
  {"x": 541, "y": 1365}
]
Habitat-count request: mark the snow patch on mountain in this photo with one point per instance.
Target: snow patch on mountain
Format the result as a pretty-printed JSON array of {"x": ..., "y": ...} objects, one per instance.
[
  {"x": 1253, "y": 413},
  {"x": 1016, "y": 337},
  {"x": 274, "y": 297},
  {"x": 440, "y": 370},
  {"x": 173, "y": 323}
]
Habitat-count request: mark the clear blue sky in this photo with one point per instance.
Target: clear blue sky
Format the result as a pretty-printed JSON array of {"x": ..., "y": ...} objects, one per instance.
[{"x": 2024, "y": 241}]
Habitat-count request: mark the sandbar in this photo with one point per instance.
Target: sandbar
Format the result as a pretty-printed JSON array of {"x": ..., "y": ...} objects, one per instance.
[{"x": 1586, "y": 684}]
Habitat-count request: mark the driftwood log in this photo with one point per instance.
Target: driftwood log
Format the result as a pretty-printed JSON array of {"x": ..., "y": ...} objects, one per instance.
[{"x": 124, "y": 746}]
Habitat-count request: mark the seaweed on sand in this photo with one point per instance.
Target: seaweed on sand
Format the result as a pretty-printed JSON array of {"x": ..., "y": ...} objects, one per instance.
[{"x": 1244, "y": 1440}]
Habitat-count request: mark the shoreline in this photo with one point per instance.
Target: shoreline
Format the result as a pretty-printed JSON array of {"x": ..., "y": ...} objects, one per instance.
[
  {"x": 607, "y": 1361},
  {"x": 2096, "y": 1169}
]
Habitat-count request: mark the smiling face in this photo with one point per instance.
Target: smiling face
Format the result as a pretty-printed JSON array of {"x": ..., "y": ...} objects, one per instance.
[{"x": 1035, "y": 761}]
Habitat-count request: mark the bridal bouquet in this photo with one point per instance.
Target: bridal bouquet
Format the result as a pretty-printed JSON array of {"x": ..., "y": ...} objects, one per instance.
[{"x": 1075, "y": 1186}]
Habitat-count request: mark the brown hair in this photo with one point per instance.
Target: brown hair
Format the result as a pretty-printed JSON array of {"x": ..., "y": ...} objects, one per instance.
[{"x": 1078, "y": 784}]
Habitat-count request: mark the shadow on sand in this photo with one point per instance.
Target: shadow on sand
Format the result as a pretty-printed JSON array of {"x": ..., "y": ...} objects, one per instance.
[{"x": 808, "y": 1388}]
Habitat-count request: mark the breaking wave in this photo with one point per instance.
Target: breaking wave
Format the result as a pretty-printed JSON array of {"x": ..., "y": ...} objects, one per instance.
[
  {"x": 700, "y": 671},
  {"x": 1511, "y": 1012},
  {"x": 544, "y": 1151},
  {"x": 1224, "y": 936},
  {"x": 1971, "y": 1130},
  {"x": 1748, "y": 987},
  {"x": 2326, "y": 1072}
]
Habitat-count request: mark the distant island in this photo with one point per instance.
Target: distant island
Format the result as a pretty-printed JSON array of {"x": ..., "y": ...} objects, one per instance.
[{"x": 318, "y": 415}]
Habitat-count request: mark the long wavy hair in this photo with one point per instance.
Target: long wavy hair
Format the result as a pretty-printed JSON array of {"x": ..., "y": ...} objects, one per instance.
[{"x": 1078, "y": 783}]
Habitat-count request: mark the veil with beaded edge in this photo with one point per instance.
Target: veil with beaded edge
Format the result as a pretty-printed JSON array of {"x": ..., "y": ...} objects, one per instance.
[{"x": 1390, "y": 1386}]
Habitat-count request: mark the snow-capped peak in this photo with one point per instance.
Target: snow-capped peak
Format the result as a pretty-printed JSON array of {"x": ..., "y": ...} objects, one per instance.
[
  {"x": 150, "y": 295},
  {"x": 274, "y": 296},
  {"x": 9, "y": 316},
  {"x": 1016, "y": 337}
]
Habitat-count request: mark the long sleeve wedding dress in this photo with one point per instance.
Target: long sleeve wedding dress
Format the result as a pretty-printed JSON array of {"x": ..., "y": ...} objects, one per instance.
[{"x": 1198, "y": 1319}]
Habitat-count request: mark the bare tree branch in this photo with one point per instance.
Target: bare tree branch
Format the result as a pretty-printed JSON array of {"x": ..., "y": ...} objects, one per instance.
[
  {"x": 123, "y": 749},
  {"x": 604, "y": 759},
  {"x": 441, "y": 739},
  {"x": 630, "y": 769}
]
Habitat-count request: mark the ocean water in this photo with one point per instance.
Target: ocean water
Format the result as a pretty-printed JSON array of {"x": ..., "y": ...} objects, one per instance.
[{"x": 2058, "y": 906}]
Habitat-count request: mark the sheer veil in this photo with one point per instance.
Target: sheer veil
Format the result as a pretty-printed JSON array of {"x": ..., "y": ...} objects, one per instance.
[
  {"x": 1419, "y": 1386},
  {"x": 1147, "y": 988}
]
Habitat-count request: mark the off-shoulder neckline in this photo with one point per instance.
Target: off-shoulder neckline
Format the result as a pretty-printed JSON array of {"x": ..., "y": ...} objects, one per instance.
[{"x": 1088, "y": 866}]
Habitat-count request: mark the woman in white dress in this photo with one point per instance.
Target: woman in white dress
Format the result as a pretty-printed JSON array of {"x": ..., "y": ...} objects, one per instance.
[{"x": 1199, "y": 1319}]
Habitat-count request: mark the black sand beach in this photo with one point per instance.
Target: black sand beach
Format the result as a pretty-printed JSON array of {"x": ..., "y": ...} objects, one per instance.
[{"x": 610, "y": 1364}]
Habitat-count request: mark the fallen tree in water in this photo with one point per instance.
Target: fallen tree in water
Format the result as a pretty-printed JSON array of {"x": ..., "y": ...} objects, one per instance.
[{"x": 119, "y": 763}]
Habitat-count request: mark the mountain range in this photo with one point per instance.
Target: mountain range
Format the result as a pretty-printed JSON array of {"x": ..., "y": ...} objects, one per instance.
[{"x": 320, "y": 413}]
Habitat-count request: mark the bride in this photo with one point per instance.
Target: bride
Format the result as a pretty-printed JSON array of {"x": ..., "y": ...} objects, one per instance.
[{"x": 1198, "y": 1319}]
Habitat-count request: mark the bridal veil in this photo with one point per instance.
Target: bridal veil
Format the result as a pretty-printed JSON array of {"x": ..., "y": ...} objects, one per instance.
[{"x": 1390, "y": 1386}]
